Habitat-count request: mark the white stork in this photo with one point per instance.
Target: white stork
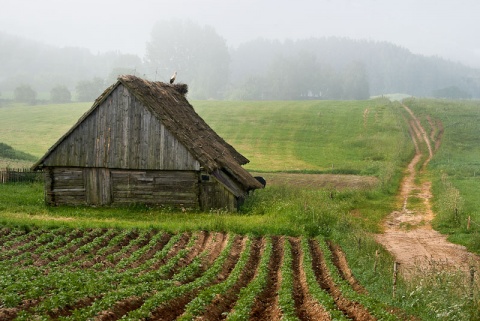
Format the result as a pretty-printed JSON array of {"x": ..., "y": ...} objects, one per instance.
[{"x": 172, "y": 79}]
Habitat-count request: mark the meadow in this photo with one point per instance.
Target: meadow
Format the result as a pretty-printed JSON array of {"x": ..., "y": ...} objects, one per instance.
[{"x": 364, "y": 145}]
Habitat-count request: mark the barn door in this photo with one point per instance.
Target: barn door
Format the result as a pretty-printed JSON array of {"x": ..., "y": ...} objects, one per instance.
[{"x": 98, "y": 188}]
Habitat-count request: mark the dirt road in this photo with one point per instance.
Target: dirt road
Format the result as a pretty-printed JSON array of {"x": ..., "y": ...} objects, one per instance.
[{"x": 408, "y": 231}]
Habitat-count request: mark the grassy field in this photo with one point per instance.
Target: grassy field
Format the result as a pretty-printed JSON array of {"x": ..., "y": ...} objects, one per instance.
[
  {"x": 358, "y": 137},
  {"x": 362, "y": 138},
  {"x": 33, "y": 129},
  {"x": 297, "y": 146},
  {"x": 321, "y": 136}
]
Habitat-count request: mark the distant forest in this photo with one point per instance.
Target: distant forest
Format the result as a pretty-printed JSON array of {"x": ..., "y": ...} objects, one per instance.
[{"x": 261, "y": 69}]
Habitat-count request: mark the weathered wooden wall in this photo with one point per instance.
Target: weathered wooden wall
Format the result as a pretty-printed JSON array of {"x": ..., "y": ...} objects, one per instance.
[
  {"x": 214, "y": 195},
  {"x": 122, "y": 133},
  {"x": 171, "y": 188},
  {"x": 102, "y": 186},
  {"x": 65, "y": 186}
]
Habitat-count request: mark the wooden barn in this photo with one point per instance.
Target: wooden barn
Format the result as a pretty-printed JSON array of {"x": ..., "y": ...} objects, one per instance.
[{"x": 142, "y": 142}]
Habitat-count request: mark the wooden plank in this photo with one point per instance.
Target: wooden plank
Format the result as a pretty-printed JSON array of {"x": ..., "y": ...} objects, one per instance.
[
  {"x": 155, "y": 187},
  {"x": 98, "y": 186},
  {"x": 122, "y": 133}
]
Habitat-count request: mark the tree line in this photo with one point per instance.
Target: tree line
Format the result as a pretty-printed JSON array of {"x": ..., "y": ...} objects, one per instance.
[{"x": 315, "y": 68}]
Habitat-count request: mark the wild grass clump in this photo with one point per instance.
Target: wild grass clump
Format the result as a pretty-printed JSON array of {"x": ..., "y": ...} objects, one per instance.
[
  {"x": 438, "y": 293},
  {"x": 319, "y": 211},
  {"x": 442, "y": 295},
  {"x": 450, "y": 204}
]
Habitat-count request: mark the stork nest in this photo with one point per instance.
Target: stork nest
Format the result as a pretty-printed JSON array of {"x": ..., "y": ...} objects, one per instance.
[{"x": 181, "y": 88}]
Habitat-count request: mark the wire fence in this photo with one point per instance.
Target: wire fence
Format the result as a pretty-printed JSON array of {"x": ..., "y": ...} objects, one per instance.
[
  {"x": 471, "y": 222},
  {"x": 19, "y": 175}
]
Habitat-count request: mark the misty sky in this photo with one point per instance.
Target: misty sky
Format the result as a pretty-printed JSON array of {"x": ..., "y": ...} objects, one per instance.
[{"x": 447, "y": 28}]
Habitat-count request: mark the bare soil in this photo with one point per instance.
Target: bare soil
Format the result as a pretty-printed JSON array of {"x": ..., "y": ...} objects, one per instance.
[
  {"x": 224, "y": 302},
  {"x": 173, "y": 309},
  {"x": 266, "y": 304},
  {"x": 341, "y": 264},
  {"x": 7, "y": 314},
  {"x": 154, "y": 249},
  {"x": 307, "y": 308},
  {"x": 177, "y": 247},
  {"x": 408, "y": 234},
  {"x": 351, "y": 309}
]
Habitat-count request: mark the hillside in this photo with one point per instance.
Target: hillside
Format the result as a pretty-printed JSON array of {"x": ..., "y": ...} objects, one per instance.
[{"x": 312, "y": 136}]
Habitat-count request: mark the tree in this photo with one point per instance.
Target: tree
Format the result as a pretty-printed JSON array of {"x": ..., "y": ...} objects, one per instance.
[
  {"x": 451, "y": 92},
  {"x": 60, "y": 94},
  {"x": 24, "y": 94},
  {"x": 355, "y": 82},
  {"x": 295, "y": 77},
  {"x": 253, "y": 88},
  {"x": 125, "y": 64},
  {"x": 198, "y": 54},
  {"x": 89, "y": 90}
]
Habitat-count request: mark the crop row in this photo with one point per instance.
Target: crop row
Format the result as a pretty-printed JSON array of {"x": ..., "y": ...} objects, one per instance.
[{"x": 110, "y": 274}]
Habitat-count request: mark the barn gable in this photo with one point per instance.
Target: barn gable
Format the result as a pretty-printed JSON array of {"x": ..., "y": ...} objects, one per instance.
[
  {"x": 143, "y": 141},
  {"x": 121, "y": 133}
]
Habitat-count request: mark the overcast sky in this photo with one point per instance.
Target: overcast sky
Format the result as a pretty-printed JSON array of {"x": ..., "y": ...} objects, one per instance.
[{"x": 447, "y": 28}]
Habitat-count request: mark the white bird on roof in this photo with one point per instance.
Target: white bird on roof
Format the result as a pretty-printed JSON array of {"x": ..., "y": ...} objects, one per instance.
[{"x": 172, "y": 79}]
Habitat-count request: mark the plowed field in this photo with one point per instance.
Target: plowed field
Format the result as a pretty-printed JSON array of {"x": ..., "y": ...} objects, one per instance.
[{"x": 111, "y": 274}]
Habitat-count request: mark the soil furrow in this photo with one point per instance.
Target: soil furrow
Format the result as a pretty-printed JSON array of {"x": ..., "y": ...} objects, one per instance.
[
  {"x": 223, "y": 303},
  {"x": 120, "y": 309},
  {"x": 7, "y": 314},
  {"x": 66, "y": 311},
  {"x": 129, "y": 250},
  {"x": 266, "y": 305},
  {"x": 151, "y": 252},
  {"x": 215, "y": 245},
  {"x": 11, "y": 235},
  {"x": 137, "y": 247},
  {"x": 307, "y": 308},
  {"x": 341, "y": 263},
  {"x": 177, "y": 247},
  {"x": 174, "y": 308},
  {"x": 193, "y": 252},
  {"x": 351, "y": 309},
  {"x": 106, "y": 263},
  {"x": 32, "y": 237},
  {"x": 126, "y": 305},
  {"x": 89, "y": 239},
  {"x": 38, "y": 261},
  {"x": 89, "y": 262}
]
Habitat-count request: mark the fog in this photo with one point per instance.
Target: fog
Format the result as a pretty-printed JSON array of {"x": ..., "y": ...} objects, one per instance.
[{"x": 444, "y": 28}]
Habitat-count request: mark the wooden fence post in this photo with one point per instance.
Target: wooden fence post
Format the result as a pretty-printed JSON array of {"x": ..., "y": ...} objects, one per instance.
[
  {"x": 472, "y": 280},
  {"x": 468, "y": 223},
  {"x": 395, "y": 275},
  {"x": 376, "y": 262}
]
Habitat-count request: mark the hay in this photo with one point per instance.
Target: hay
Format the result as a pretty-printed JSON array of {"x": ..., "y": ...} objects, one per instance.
[{"x": 181, "y": 88}]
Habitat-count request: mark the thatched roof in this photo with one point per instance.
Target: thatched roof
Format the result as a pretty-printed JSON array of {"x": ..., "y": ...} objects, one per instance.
[{"x": 169, "y": 104}]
